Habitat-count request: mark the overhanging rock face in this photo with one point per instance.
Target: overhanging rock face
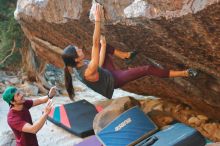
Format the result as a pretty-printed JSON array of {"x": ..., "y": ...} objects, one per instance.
[{"x": 169, "y": 33}]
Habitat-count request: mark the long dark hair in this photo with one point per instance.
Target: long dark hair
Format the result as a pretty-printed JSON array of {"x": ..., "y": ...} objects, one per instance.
[{"x": 69, "y": 55}]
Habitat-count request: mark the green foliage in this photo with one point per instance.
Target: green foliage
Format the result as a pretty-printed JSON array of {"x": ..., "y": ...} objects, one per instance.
[{"x": 10, "y": 31}]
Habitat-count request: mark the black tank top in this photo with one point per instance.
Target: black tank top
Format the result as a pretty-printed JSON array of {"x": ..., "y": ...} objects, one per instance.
[{"x": 105, "y": 84}]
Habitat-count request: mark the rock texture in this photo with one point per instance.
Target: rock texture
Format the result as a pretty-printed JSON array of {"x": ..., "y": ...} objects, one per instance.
[{"x": 170, "y": 33}]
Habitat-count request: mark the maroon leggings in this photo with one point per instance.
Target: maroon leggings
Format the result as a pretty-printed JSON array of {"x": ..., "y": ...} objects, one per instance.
[{"x": 124, "y": 76}]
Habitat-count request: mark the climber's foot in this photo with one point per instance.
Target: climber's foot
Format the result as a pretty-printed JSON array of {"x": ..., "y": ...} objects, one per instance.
[
  {"x": 192, "y": 72},
  {"x": 131, "y": 57}
]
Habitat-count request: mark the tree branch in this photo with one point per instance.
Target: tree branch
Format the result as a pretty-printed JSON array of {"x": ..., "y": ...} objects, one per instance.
[{"x": 12, "y": 51}]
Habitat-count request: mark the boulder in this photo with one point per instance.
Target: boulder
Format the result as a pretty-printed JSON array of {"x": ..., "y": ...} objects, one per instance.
[{"x": 168, "y": 33}]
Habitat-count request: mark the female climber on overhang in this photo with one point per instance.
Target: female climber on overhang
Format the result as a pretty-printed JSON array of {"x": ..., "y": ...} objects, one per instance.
[{"x": 99, "y": 73}]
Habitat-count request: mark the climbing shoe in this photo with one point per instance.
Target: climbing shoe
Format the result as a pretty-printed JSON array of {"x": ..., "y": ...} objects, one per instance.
[
  {"x": 131, "y": 58},
  {"x": 192, "y": 72}
]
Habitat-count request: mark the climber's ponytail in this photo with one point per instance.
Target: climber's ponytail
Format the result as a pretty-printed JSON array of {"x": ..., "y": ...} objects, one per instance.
[
  {"x": 69, "y": 55},
  {"x": 68, "y": 83}
]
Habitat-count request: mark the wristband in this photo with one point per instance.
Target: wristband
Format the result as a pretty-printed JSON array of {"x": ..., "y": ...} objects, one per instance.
[{"x": 49, "y": 96}]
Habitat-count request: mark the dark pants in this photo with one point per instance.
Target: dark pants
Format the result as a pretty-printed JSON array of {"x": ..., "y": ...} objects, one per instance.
[{"x": 124, "y": 76}]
